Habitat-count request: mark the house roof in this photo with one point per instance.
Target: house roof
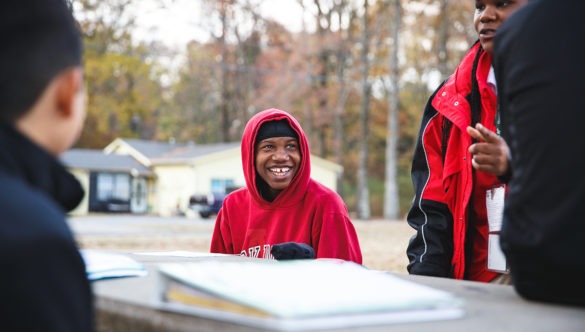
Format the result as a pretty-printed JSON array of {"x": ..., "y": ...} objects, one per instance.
[
  {"x": 193, "y": 151},
  {"x": 97, "y": 160},
  {"x": 156, "y": 152},
  {"x": 153, "y": 149}
]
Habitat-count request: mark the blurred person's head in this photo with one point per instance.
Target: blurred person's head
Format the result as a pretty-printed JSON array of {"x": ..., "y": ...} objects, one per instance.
[
  {"x": 489, "y": 15},
  {"x": 41, "y": 79}
]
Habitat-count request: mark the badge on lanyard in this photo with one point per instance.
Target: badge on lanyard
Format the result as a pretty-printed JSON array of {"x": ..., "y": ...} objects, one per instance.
[{"x": 495, "y": 209}]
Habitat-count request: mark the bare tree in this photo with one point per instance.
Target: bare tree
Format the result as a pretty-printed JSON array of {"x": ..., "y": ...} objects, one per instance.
[
  {"x": 323, "y": 19},
  {"x": 225, "y": 92},
  {"x": 391, "y": 196},
  {"x": 246, "y": 79},
  {"x": 363, "y": 199},
  {"x": 329, "y": 51},
  {"x": 342, "y": 57}
]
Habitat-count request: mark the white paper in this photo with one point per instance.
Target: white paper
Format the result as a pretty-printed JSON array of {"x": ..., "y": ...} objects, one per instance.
[
  {"x": 494, "y": 200},
  {"x": 102, "y": 265},
  {"x": 496, "y": 257}
]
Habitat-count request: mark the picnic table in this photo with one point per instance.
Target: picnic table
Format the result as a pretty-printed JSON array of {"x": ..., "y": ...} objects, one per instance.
[{"x": 130, "y": 304}]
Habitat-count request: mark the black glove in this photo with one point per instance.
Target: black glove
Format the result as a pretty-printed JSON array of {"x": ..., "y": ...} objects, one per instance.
[{"x": 292, "y": 250}]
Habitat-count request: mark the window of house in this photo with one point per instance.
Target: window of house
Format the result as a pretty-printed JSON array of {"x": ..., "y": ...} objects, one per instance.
[
  {"x": 113, "y": 186},
  {"x": 219, "y": 185}
]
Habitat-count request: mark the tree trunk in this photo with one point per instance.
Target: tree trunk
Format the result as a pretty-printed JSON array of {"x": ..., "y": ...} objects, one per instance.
[
  {"x": 338, "y": 123},
  {"x": 225, "y": 116},
  {"x": 363, "y": 199},
  {"x": 391, "y": 196},
  {"x": 343, "y": 53}
]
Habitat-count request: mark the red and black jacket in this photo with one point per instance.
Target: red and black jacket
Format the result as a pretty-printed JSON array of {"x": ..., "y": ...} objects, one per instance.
[{"x": 442, "y": 175}]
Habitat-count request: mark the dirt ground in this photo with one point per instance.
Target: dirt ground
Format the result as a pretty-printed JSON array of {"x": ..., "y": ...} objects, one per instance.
[{"x": 383, "y": 242}]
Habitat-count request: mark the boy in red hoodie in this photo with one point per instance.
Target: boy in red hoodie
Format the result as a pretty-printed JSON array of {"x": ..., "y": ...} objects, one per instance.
[{"x": 281, "y": 206}]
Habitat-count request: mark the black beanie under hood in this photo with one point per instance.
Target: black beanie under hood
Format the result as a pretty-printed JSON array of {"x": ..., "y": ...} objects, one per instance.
[{"x": 279, "y": 128}]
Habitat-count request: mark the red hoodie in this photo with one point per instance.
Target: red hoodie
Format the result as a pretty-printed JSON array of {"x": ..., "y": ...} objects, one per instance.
[{"x": 304, "y": 212}]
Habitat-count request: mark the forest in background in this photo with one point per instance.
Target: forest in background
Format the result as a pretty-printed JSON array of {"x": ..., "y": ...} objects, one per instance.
[{"x": 357, "y": 82}]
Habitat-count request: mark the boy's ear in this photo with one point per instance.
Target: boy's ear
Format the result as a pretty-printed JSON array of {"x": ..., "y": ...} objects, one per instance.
[{"x": 69, "y": 84}]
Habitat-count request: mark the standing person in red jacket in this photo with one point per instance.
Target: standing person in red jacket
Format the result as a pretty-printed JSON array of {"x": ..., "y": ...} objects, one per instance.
[
  {"x": 281, "y": 207},
  {"x": 449, "y": 210}
]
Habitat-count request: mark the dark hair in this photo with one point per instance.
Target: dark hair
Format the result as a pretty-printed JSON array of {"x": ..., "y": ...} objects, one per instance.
[{"x": 40, "y": 39}]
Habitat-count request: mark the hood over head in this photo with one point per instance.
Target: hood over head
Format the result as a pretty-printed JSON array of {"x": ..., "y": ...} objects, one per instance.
[{"x": 298, "y": 186}]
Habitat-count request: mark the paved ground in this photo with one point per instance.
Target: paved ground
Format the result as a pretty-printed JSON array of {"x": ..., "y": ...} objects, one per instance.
[
  {"x": 129, "y": 225},
  {"x": 383, "y": 242}
]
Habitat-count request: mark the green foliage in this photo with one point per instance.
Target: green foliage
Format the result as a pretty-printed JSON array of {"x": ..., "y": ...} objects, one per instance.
[
  {"x": 123, "y": 98},
  {"x": 123, "y": 81}
]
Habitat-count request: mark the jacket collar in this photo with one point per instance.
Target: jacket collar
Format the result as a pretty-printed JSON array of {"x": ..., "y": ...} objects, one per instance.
[
  {"x": 450, "y": 100},
  {"x": 22, "y": 159}
]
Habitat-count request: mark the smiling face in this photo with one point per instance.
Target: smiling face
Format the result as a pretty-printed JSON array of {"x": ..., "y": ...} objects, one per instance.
[
  {"x": 277, "y": 161},
  {"x": 489, "y": 15}
]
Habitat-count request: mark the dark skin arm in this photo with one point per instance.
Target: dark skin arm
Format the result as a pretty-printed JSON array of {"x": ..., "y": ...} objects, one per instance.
[{"x": 491, "y": 154}]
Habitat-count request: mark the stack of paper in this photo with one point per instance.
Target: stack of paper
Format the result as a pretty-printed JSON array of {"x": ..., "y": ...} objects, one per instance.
[
  {"x": 300, "y": 295},
  {"x": 105, "y": 265}
]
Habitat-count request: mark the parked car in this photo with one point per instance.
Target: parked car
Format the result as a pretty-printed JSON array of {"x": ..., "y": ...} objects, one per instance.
[{"x": 206, "y": 205}]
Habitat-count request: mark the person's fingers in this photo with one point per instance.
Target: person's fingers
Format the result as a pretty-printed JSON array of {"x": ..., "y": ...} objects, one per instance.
[
  {"x": 484, "y": 148},
  {"x": 489, "y": 164},
  {"x": 485, "y": 167},
  {"x": 475, "y": 133},
  {"x": 478, "y": 148},
  {"x": 488, "y": 135},
  {"x": 488, "y": 149},
  {"x": 479, "y": 166},
  {"x": 482, "y": 159},
  {"x": 490, "y": 154}
]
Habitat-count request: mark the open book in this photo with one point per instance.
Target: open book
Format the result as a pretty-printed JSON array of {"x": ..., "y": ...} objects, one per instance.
[
  {"x": 105, "y": 265},
  {"x": 299, "y": 295}
]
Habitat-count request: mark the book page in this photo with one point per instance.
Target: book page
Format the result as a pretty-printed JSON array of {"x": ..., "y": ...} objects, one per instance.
[{"x": 103, "y": 265}]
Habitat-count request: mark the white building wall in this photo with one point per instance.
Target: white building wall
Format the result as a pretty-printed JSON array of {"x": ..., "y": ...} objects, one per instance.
[
  {"x": 174, "y": 185},
  {"x": 227, "y": 167},
  {"x": 324, "y": 176}
]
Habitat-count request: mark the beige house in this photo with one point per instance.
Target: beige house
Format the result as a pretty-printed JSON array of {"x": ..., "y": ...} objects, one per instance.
[{"x": 138, "y": 176}]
